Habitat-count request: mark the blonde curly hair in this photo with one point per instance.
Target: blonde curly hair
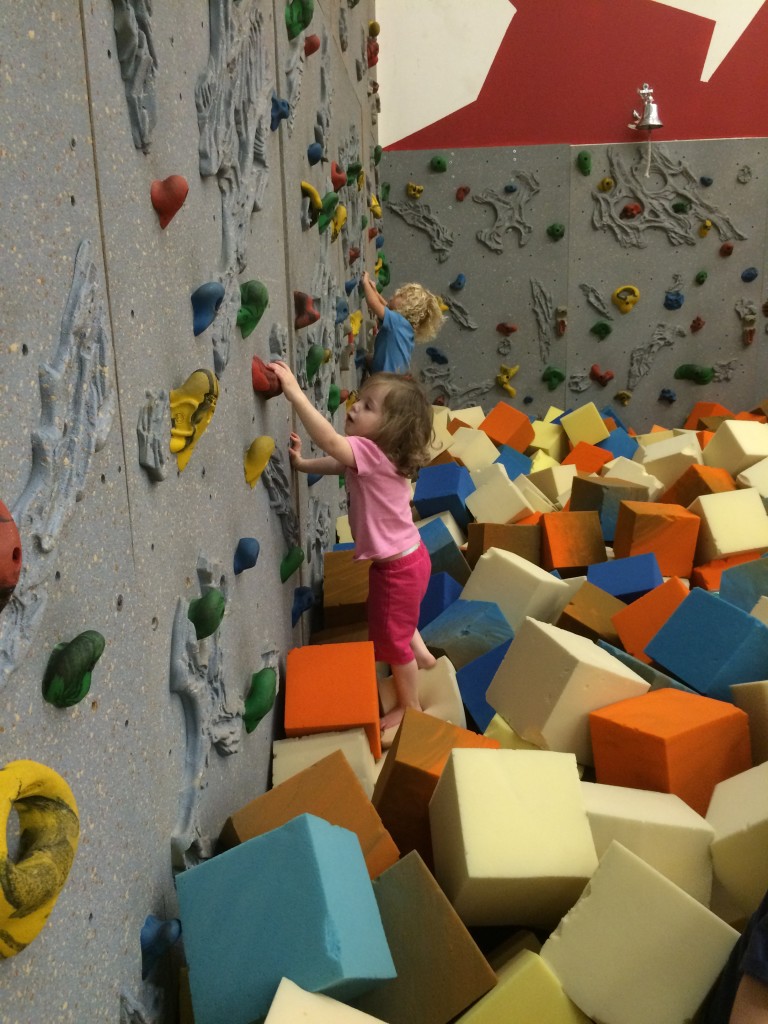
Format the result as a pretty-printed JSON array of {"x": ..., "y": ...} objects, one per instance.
[{"x": 420, "y": 308}]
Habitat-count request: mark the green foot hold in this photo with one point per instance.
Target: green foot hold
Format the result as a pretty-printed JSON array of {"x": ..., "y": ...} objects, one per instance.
[
  {"x": 553, "y": 377},
  {"x": 260, "y": 697},
  {"x": 67, "y": 676},
  {"x": 601, "y": 329},
  {"x": 206, "y": 612},
  {"x": 696, "y": 373},
  {"x": 291, "y": 563},
  {"x": 298, "y": 14},
  {"x": 584, "y": 162},
  {"x": 254, "y": 299}
]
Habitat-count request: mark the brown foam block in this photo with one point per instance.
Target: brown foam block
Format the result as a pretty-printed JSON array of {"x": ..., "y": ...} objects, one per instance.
[
  {"x": 345, "y": 588},
  {"x": 186, "y": 1013},
  {"x": 695, "y": 481},
  {"x": 440, "y": 969},
  {"x": 668, "y": 531},
  {"x": 602, "y": 495},
  {"x": 590, "y": 613},
  {"x": 521, "y": 539},
  {"x": 355, "y": 632},
  {"x": 571, "y": 541},
  {"x": 410, "y": 773},
  {"x": 328, "y": 789}
]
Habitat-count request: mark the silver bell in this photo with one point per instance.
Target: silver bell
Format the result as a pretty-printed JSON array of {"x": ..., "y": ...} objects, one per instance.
[{"x": 649, "y": 119}]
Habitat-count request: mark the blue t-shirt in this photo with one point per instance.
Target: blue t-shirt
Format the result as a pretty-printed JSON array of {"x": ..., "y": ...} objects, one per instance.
[
  {"x": 393, "y": 344},
  {"x": 749, "y": 956}
]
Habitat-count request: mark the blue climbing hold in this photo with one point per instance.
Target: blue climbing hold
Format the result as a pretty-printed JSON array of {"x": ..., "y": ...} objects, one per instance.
[
  {"x": 673, "y": 300},
  {"x": 205, "y": 305},
  {"x": 350, "y": 285},
  {"x": 458, "y": 283},
  {"x": 314, "y": 153},
  {"x": 156, "y": 938},
  {"x": 246, "y": 554},
  {"x": 749, "y": 274},
  {"x": 436, "y": 355},
  {"x": 667, "y": 395},
  {"x": 705, "y": 180},
  {"x": 379, "y": 243},
  {"x": 360, "y": 358},
  {"x": 342, "y": 310},
  {"x": 280, "y": 110},
  {"x": 528, "y": 399},
  {"x": 510, "y": 187},
  {"x": 313, "y": 478},
  {"x": 303, "y": 600}
]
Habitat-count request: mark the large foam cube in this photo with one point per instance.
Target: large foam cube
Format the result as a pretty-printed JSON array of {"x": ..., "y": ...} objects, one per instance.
[
  {"x": 550, "y": 680},
  {"x": 752, "y": 698},
  {"x": 571, "y": 541},
  {"x": 514, "y": 462},
  {"x": 517, "y": 586},
  {"x": 667, "y": 460},
  {"x": 625, "y": 952},
  {"x": 291, "y": 756},
  {"x": 555, "y": 482},
  {"x": 345, "y": 588},
  {"x": 737, "y": 445},
  {"x": 473, "y": 448},
  {"x": 627, "y": 578},
  {"x": 619, "y": 443},
  {"x": 474, "y": 678},
  {"x": 444, "y": 551},
  {"x": 695, "y": 481},
  {"x": 584, "y": 424},
  {"x": 510, "y": 836},
  {"x": 590, "y": 613},
  {"x": 550, "y": 439},
  {"x": 641, "y": 620},
  {"x": 522, "y": 538},
  {"x": 738, "y": 812},
  {"x": 442, "y": 590},
  {"x": 507, "y": 425},
  {"x": 444, "y": 488},
  {"x": 629, "y": 471},
  {"x": 604, "y": 495},
  {"x": 467, "y": 629},
  {"x": 437, "y": 690},
  {"x": 671, "y": 742},
  {"x": 743, "y": 585},
  {"x": 298, "y": 903},
  {"x": 731, "y": 522},
  {"x": 293, "y": 1003},
  {"x": 496, "y": 498},
  {"x": 669, "y": 531}
]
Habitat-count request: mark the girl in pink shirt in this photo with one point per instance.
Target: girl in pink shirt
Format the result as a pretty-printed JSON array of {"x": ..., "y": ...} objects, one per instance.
[{"x": 386, "y": 440}]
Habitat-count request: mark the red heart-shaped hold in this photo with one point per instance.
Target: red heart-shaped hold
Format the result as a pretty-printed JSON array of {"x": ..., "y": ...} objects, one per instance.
[{"x": 168, "y": 197}]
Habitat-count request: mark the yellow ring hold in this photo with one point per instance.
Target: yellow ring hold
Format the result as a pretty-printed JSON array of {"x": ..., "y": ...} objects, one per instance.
[{"x": 49, "y": 832}]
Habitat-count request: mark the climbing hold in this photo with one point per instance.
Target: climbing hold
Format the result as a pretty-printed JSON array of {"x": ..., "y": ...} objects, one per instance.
[
  {"x": 315, "y": 359},
  {"x": 383, "y": 273},
  {"x": 584, "y": 162},
  {"x": 10, "y": 555},
  {"x": 373, "y": 29},
  {"x": 504, "y": 376},
  {"x": 696, "y": 373},
  {"x": 298, "y": 14},
  {"x": 192, "y": 408},
  {"x": 256, "y": 458},
  {"x": 264, "y": 379},
  {"x": 553, "y": 377},
  {"x": 701, "y": 277},
  {"x": 630, "y": 210},
  {"x": 354, "y": 170},
  {"x": 67, "y": 676},
  {"x": 350, "y": 285},
  {"x": 705, "y": 180},
  {"x": 510, "y": 187},
  {"x": 726, "y": 249},
  {"x": 338, "y": 220},
  {"x": 156, "y": 938},
  {"x": 327, "y": 209},
  {"x": 667, "y": 395},
  {"x": 355, "y": 322},
  {"x": 315, "y": 202},
  {"x": 206, "y": 301},
  {"x": 384, "y": 190},
  {"x": 439, "y": 164},
  {"x": 561, "y": 320},
  {"x": 461, "y": 193},
  {"x": 314, "y": 153},
  {"x": 167, "y": 196},
  {"x": 764, "y": 308},
  {"x": 334, "y": 398},
  {"x": 305, "y": 311},
  {"x": 303, "y": 600},
  {"x": 413, "y": 191},
  {"x": 556, "y": 231},
  {"x": 623, "y": 397},
  {"x": 744, "y": 175},
  {"x": 528, "y": 400},
  {"x": 673, "y": 300},
  {"x": 281, "y": 109},
  {"x": 246, "y": 554},
  {"x": 311, "y": 45},
  {"x": 353, "y": 255},
  {"x": 458, "y": 283},
  {"x": 378, "y": 152},
  {"x": 506, "y": 329},
  {"x": 696, "y": 324},
  {"x": 437, "y": 356},
  {"x": 260, "y": 698},
  {"x": 254, "y": 299},
  {"x": 376, "y": 207},
  {"x": 291, "y": 563},
  {"x": 748, "y": 321},
  {"x": 379, "y": 243},
  {"x": 342, "y": 309},
  {"x": 372, "y": 52},
  {"x": 206, "y": 612},
  {"x": 605, "y": 184},
  {"x": 625, "y": 298},
  {"x": 601, "y": 329},
  {"x": 338, "y": 176},
  {"x": 705, "y": 227},
  {"x": 602, "y": 377},
  {"x": 681, "y": 206},
  {"x": 372, "y": 233},
  {"x": 749, "y": 274}
]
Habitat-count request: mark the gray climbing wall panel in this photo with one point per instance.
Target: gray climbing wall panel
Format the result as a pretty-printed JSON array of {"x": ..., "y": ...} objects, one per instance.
[
  {"x": 515, "y": 272},
  {"x": 95, "y": 290}
]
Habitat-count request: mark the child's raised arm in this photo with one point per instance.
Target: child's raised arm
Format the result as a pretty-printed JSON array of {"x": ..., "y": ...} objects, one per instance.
[
  {"x": 376, "y": 304},
  {"x": 317, "y": 426},
  {"x": 325, "y": 466}
]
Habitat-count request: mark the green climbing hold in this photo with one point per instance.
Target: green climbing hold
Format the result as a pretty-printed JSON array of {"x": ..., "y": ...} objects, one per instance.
[
  {"x": 701, "y": 277},
  {"x": 584, "y": 162},
  {"x": 383, "y": 274},
  {"x": 334, "y": 398},
  {"x": 601, "y": 329},
  {"x": 439, "y": 164},
  {"x": 556, "y": 231},
  {"x": 363, "y": 222},
  {"x": 696, "y": 373},
  {"x": 315, "y": 359},
  {"x": 206, "y": 612},
  {"x": 291, "y": 563},
  {"x": 67, "y": 676},
  {"x": 298, "y": 14},
  {"x": 378, "y": 152},
  {"x": 553, "y": 377},
  {"x": 681, "y": 206},
  {"x": 353, "y": 170},
  {"x": 254, "y": 299},
  {"x": 328, "y": 204},
  {"x": 384, "y": 191},
  {"x": 260, "y": 698}
]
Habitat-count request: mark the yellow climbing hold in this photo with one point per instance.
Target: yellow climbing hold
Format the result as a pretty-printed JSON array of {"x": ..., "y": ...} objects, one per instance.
[
  {"x": 504, "y": 376},
  {"x": 256, "y": 458},
  {"x": 413, "y": 191},
  {"x": 338, "y": 220},
  {"x": 311, "y": 193},
  {"x": 625, "y": 298},
  {"x": 192, "y": 408},
  {"x": 605, "y": 184},
  {"x": 355, "y": 322},
  {"x": 375, "y": 207}
]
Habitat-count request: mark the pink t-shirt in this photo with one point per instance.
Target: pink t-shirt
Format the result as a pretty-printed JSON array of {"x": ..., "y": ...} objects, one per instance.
[{"x": 378, "y": 503}]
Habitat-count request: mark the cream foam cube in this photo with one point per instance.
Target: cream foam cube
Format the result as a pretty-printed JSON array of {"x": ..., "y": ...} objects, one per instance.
[
  {"x": 584, "y": 424},
  {"x": 474, "y": 448},
  {"x": 738, "y": 812},
  {"x": 760, "y": 611},
  {"x": 510, "y": 836},
  {"x": 554, "y": 481},
  {"x": 737, "y": 445},
  {"x": 756, "y": 476},
  {"x": 549, "y": 438},
  {"x": 731, "y": 521},
  {"x": 343, "y": 531},
  {"x": 442, "y": 439},
  {"x": 535, "y": 497},
  {"x": 654, "y": 437},
  {"x": 548, "y": 682},
  {"x": 752, "y": 698},
  {"x": 293, "y": 1004},
  {"x": 291, "y": 756},
  {"x": 636, "y": 948},
  {"x": 517, "y": 586},
  {"x": 623, "y": 468},
  {"x": 667, "y": 460},
  {"x": 496, "y": 498},
  {"x": 438, "y": 693},
  {"x": 659, "y": 827},
  {"x": 473, "y": 415}
]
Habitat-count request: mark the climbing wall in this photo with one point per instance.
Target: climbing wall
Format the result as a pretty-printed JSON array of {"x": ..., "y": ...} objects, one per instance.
[
  {"x": 546, "y": 235},
  {"x": 97, "y": 340}
]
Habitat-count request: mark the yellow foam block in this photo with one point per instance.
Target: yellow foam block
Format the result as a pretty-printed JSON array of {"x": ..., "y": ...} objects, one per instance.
[
  {"x": 496, "y": 498},
  {"x": 343, "y": 531},
  {"x": 517, "y": 586},
  {"x": 619, "y": 952},
  {"x": 510, "y": 836},
  {"x": 291, "y": 756},
  {"x": 473, "y": 448},
  {"x": 541, "y": 460},
  {"x": 548, "y": 682},
  {"x": 552, "y": 413},
  {"x": 473, "y": 415},
  {"x": 654, "y": 437},
  {"x": 292, "y": 1004},
  {"x": 668, "y": 460},
  {"x": 753, "y": 699},
  {"x": 737, "y": 445},
  {"x": 659, "y": 827},
  {"x": 738, "y": 812},
  {"x": 584, "y": 424},
  {"x": 731, "y": 522},
  {"x": 549, "y": 438},
  {"x": 625, "y": 469},
  {"x": 508, "y": 739}
]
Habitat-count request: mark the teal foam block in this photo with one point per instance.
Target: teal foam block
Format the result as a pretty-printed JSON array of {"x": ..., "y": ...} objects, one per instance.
[
  {"x": 743, "y": 585},
  {"x": 295, "y": 902},
  {"x": 444, "y": 552},
  {"x": 467, "y": 629},
  {"x": 710, "y": 644},
  {"x": 658, "y": 680},
  {"x": 627, "y": 578}
]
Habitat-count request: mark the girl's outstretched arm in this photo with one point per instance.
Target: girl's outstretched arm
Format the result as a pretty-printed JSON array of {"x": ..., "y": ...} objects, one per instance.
[
  {"x": 326, "y": 466},
  {"x": 376, "y": 304},
  {"x": 317, "y": 426}
]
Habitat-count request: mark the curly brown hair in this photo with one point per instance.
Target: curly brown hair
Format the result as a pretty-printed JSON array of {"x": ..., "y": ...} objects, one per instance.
[
  {"x": 421, "y": 309},
  {"x": 406, "y": 430}
]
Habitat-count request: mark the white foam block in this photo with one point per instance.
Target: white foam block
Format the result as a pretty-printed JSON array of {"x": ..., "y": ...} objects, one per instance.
[
  {"x": 548, "y": 682},
  {"x": 623, "y": 468},
  {"x": 450, "y": 524},
  {"x": 497, "y": 499},
  {"x": 442, "y": 439},
  {"x": 756, "y": 476},
  {"x": 554, "y": 481},
  {"x": 659, "y": 827},
  {"x": 737, "y": 445},
  {"x": 738, "y": 812},
  {"x": 753, "y": 699},
  {"x": 293, "y": 755},
  {"x": 472, "y": 415},
  {"x": 438, "y": 692},
  {"x": 292, "y": 1004},
  {"x": 517, "y": 586},
  {"x": 473, "y": 448},
  {"x": 510, "y": 836},
  {"x": 667, "y": 460},
  {"x": 731, "y": 522},
  {"x": 636, "y": 948},
  {"x": 535, "y": 497}
]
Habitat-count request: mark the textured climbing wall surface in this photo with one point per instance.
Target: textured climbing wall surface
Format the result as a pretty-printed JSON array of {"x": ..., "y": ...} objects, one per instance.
[
  {"x": 516, "y": 273},
  {"x": 95, "y": 301}
]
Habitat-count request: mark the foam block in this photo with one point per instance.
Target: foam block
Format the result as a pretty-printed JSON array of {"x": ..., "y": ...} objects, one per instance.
[
  {"x": 695, "y": 481},
  {"x": 603, "y": 495},
  {"x": 508, "y": 739},
  {"x": 522, "y": 539},
  {"x": 328, "y": 789},
  {"x": 738, "y": 812},
  {"x": 518, "y": 587},
  {"x": 641, "y": 620},
  {"x": 292, "y": 1003},
  {"x": 731, "y": 522},
  {"x": 619, "y": 443},
  {"x": 570, "y": 541},
  {"x": 444, "y": 552},
  {"x": 756, "y": 476},
  {"x": 496, "y": 499},
  {"x": 470, "y": 416},
  {"x": 584, "y": 424},
  {"x": 329, "y": 940},
  {"x": 627, "y": 578},
  {"x": 467, "y": 629},
  {"x": 345, "y": 588},
  {"x": 737, "y": 445},
  {"x": 537, "y": 499},
  {"x": 555, "y": 482},
  {"x": 630, "y": 471},
  {"x": 442, "y": 590},
  {"x": 499, "y": 821},
  {"x": 438, "y": 693},
  {"x": 514, "y": 462},
  {"x": 550, "y": 439},
  {"x": 473, "y": 448},
  {"x": 474, "y": 679},
  {"x": 294, "y": 755},
  {"x": 671, "y": 742},
  {"x": 752, "y": 698},
  {"x": 656, "y": 679},
  {"x": 669, "y": 531},
  {"x": 617, "y": 953},
  {"x": 587, "y": 458},
  {"x": 332, "y": 687},
  {"x": 444, "y": 489},
  {"x": 590, "y": 613},
  {"x": 508, "y": 426},
  {"x": 667, "y": 460},
  {"x": 659, "y": 827},
  {"x": 702, "y": 410},
  {"x": 550, "y": 680},
  {"x": 448, "y": 522},
  {"x": 743, "y": 585}
]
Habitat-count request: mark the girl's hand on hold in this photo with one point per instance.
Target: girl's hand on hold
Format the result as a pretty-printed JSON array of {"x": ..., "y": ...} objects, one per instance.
[
  {"x": 288, "y": 381},
  {"x": 294, "y": 450}
]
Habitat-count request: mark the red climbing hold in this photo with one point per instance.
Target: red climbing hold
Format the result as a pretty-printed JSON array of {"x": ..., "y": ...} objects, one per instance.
[
  {"x": 353, "y": 254},
  {"x": 630, "y": 211},
  {"x": 304, "y": 308},
  {"x": 696, "y": 324},
  {"x": 372, "y": 232},
  {"x": 311, "y": 45},
  {"x": 338, "y": 176},
  {"x": 462, "y": 192},
  {"x": 726, "y": 248},
  {"x": 168, "y": 197},
  {"x": 265, "y": 381},
  {"x": 506, "y": 329},
  {"x": 10, "y": 555},
  {"x": 602, "y": 377}
]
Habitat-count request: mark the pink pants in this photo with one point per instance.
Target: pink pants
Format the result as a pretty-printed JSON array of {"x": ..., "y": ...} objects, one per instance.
[{"x": 395, "y": 593}]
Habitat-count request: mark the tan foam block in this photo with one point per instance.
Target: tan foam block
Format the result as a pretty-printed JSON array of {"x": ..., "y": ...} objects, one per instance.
[
  {"x": 667, "y": 460},
  {"x": 738, "y": 812},
  {"x": 438, "y": 691},
  {"x": 668, "y": 531},
  {"x": 737, "y": 445},
  {"x": 293, "y": 1004},
  {"x": 535, "y": 497},
  {"x": 618, "y": 955},
  {"x": 501, "y": 731},
  {"x": 659, "y": 827},
  {"x": 760, "y": 611},
  {"x": 632, "y": 472},
  {"x": 517, "y": 586},
  {"x": 731, "y": 522},
  {"x": 510, "y": 836},
  {"x": 550, "y": 439},
  {"x": 291, "y": 756},
  {"x": 473, "y": 448},
  {"x": 696, "y": 480},
  {"x": 756, "y": 476},
  {"x": 508, "y": 426},
  {"x": 471, "y": 416},
  {"x": 343, "y": 530},
  {"x": 328, "y": 789},
  {"x": 555, "y": 482},
  {"x": 441, "y": 439},
  {"x": 345, "y": 588},
  {"x": 590, "y": 613},
  {"x": 591, "y": 493},
  {"x": 752, "y": 698},
  {"x": 639, "y": 622},
  {"x": 584, "y": 424},
  {"x": 409, "y": 775},
  {"x": 654, "y": 436},
  {"x": 496, "y": 498},
  {"x": 519, "y": 538},
  {"x": 440, "y": 969},
  {"x": 550, "y": 680},
  {"x": 571, "y": 541},
  {"x": 527, "y": 990}
]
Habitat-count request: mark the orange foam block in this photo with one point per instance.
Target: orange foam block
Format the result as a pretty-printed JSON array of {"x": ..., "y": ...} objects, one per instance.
[
  {"x": 696, "y": 480},
  {"x": 571, "y": 541},
  {"x": 332, "y": 687},
  {"x": 703, "y": 409},
  {"x": 506, "y": 425},
  {"x": 707, "y": 576},
  {"x": 587, "y": 458},
  {"x": 668, "y": 531},
  {"x": 670, "y": 741},
  {"x": 641, "y": 620}
]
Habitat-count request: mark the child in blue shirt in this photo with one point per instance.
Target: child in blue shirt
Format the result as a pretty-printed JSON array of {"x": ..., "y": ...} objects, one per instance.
[{"x": 412, "y": 316}]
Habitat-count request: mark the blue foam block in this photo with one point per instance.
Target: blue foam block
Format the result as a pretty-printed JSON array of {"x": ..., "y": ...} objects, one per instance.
[
  {"x": 443, "y": 550},
  {"x": 442, "y": 590},
  {"x": 474, "y": 678},
  {"x": 744, "y": 585},
  {"x": 515, "y": 463},
  {"x": 711, "y": 644},
  {"x": 627, "y": 578},
  {"x": 296, "y": 902},
  {"x": 658, "y": 680},
  {"x": 444, "y": 488},
  {"x": 619, "y": 442},
  {"x": 608, "y": 412},
  {"x": 467, "y": 629}
]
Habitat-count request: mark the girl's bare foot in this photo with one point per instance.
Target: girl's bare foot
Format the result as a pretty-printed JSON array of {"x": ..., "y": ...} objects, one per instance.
[{"x": 392, "y": 718}]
